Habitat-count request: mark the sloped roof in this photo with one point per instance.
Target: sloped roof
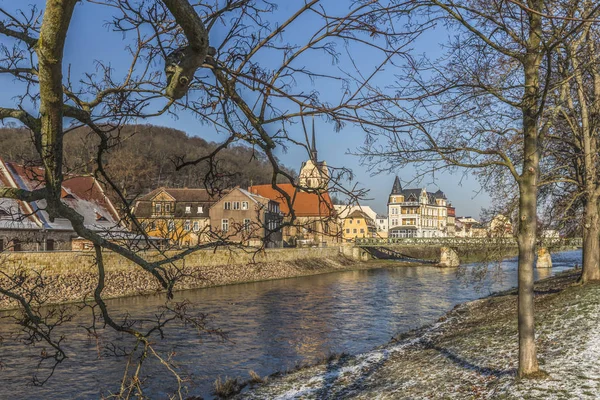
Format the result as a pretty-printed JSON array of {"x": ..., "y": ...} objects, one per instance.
[
  {"x": 183, "y": 194},
  {"x": 305, "y": 204},
  {"x": 82, "y": 193},
  {"x": 397, "y": 187},
  {"x": 359, "y": 214}
]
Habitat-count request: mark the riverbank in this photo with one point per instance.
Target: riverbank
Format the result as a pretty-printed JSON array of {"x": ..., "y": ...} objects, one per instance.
[
  {"x": 63, "y": 277},
  {"x": 470, "y": 353}
]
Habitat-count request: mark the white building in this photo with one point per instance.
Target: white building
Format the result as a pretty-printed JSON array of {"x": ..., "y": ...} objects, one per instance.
[
  {"x": 382, "y": 225},
  {"x": 416, "y": 212}
]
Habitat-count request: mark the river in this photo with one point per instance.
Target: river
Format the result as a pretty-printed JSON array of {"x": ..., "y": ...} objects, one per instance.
[{"x": 270, "y": 326}]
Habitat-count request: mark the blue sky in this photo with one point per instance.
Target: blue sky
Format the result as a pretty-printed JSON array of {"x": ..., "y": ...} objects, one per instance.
[{"x": 89, "y": 40}]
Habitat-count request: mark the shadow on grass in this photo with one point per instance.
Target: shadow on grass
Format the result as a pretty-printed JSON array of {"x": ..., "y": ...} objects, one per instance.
[{"x": 465, "y": 364}]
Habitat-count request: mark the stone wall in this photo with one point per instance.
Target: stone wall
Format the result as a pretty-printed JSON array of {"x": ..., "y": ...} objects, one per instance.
[{"x": 71, "y": 276}]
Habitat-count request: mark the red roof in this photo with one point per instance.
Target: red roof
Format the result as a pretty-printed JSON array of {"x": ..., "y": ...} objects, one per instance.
[{"x": 304, "y": 204}]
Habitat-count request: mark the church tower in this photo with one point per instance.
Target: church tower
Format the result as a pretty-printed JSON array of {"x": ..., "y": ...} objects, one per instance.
[{"x": 314, "y": 174}]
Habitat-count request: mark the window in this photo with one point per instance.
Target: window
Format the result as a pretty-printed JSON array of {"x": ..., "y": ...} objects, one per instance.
[
  {"x": 227, "y": 205},
  {"x": 224, "y": 225},
  {"x": 49, "y": 244},
  {"x": 362, "y": 230},
  {"x": 168, "y": 207},
  {"x": 157, "y": 208},
  {"x": 354, "y": 230},
  {"x": 350, "y": 220},
  {"x": 200, "y": 210},
  {"x": 171, "y": 226},
  {"x": 244, "y": 205},
  {"x": 188, "y": 225},
  {"x": 188, "y": 209},
  {"x": 196, "y": 226},
  {"x": 153, "y": 225},
  {"x": 358, "y": 221},
  {"x": 247, "y": 223},
  {"x": 347, "y": 230},
  {"x": 236, "y": 205},
  {"x": 16, "y": 245}
]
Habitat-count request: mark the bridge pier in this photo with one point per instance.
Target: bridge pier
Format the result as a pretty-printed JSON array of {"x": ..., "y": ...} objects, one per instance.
[
  {"x": 544, "y": 259},
  {"x": 448, "y": 257},
  {"x": 360, "y": 254}
]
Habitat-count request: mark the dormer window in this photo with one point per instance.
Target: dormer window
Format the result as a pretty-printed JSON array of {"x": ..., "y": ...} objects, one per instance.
[
  {"x": 188, "y": 209},
  {"x": 200, "y": 210}
]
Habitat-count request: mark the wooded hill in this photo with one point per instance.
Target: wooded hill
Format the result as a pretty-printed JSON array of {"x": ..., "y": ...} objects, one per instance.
[{"x": 143, "y": 157}]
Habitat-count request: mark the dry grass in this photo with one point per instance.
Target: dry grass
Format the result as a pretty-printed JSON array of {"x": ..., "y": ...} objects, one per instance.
[{"x": 226, "y": 388}]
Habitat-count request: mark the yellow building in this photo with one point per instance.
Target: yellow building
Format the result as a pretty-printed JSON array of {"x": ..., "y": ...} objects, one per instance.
[
  {"x": 358, "y": 225},
  {"x": 178, "y": 215}
]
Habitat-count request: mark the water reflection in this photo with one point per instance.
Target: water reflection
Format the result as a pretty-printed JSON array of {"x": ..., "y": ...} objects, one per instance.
[{"x": 270, "y": 325}]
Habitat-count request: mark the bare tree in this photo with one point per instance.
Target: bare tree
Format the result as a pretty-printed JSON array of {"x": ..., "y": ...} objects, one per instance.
[
  {"x": 572, "y": 149},
  {"x": 481, "y": 106},
  {"x": 254, "y": 81}
]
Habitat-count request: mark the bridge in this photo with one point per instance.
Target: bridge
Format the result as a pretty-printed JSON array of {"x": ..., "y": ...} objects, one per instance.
[{"x": 449, "y": 245}]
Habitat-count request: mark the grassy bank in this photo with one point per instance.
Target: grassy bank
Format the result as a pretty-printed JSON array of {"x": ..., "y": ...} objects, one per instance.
[{"x": 470, "y": 353}]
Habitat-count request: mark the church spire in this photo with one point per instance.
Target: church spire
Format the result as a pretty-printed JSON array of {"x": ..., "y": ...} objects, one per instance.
[
  {"x": 397, "y": 188},
  {"x": 313, "y": 150}
]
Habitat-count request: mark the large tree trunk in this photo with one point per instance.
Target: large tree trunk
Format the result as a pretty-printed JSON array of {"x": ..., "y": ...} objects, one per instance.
[
  {"x": 528, "y": 190},
  {"x": 526, "y": 241},
  {"x": 49, "y": 141},
  {"x": 591, "y": 243}
]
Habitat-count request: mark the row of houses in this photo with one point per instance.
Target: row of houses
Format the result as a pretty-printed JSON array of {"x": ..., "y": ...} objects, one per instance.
[
  {"x": 416, "y": 212},
  {"x": 26, "y": 226},
  {"x": 289, "y": 214},
  {"x": 286, "y": 215}
]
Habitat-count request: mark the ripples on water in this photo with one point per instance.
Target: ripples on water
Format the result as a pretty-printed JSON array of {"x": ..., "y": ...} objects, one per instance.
[{"x": 271, "y": 326}]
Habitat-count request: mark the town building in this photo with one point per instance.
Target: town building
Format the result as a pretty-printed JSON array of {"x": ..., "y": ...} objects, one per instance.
[
  {"x": 469, "y": 227},
  {"x": 178, "y": 215},
  {"x": 358, "y": 224},
  {"x": 246, "y": 218},
  {"x": 416, "y": 212},
  {"x": 343, "y": 211},
  {"x": 382, "y": 225},
  {"x": 26, "y": 226},
  {"x": 314, "y": 174},
  {"x": 315, "y": 222},
  {"x": 451, "y": 220},
  {"x": 500, "y": 226}
]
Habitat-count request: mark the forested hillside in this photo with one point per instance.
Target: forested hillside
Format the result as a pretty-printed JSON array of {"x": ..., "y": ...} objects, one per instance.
[{"x": 143, "y": 157}]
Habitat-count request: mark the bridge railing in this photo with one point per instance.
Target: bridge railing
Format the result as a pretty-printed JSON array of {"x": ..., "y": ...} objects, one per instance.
[{"x": 465, "y": 241}]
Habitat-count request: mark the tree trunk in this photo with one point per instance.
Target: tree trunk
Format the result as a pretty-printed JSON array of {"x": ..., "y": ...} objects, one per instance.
[
  {"x": 528, "y": 190},
  {"x": 591, "y": 243},
  {"x": 526, "y": 241},
  {"x": 53, "y": 33}
]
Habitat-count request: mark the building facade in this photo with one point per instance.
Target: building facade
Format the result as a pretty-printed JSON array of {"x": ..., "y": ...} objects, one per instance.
[
  {"x": 314, "y": 174},
  {"x": 451, "y": 221},
  {"x": 358, "y": 224},
  {"x": 382, "y": 225},
  {"x": 179, "y": 215},
  {"x": 416, "y": 212},
  {"x": 26, "y": 226},
  {"x": 315, "y": 222},
  {"x": 247, "y": 218}
]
